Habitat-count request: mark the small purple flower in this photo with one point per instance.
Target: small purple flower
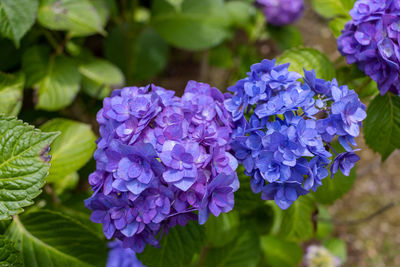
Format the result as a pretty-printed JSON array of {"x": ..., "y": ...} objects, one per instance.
[
  {"x": 121, "y": 257},
  {"x": 345, "y": 162},
  {"x": 281, "y": 12}
]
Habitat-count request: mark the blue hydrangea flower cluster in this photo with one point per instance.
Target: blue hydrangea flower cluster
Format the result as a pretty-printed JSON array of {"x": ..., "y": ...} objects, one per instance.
[
  {"x": 121, "y": 257},
  {"x": 284, "y": 129},
  {"x": 372, "y": 40},
  {"x": 160, "y": 159},
  {"x": 281, "y": 12}
]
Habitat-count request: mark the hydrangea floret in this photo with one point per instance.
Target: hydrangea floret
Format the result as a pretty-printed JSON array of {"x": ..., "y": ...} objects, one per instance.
[
  {"x": 284, "y": 129},
  {"x": 121, "y": 257},
  {"x": 372, "y": 40},
  {"x": 161, "y": 160},
  {"x": 281, "y": 12}
]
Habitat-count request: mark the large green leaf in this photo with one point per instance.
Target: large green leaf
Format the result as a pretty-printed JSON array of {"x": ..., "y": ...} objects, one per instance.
[
  {"x": 23, "y": 164},
  {"x": 382, "y": 125},
  {"x": 191, "y": 24},
  {"x": 99, "y": 76},
  {"x": 55, "y": 78},
  {"x": 9, "y": 255},
  {"x": 334, "y": 188},
  {"x": 222, "y": 229},
  {"x": 308, "y": 58},
  {"x": 11, "y": 87},
  {"x": 332, "y": 8},
  {"x": 177, "y": 247},
  {"x": 279, "y": 252},
  {"x": 16, "y": 17},
  {"x": 79, "y": 17},
  {"x": 72, "y": 149},
  {"x": 243, "y": 251},
  {"x": 297, "y": 222},
  {"x": 47, "y": 238},
  {"x": 139, "y": 56}
]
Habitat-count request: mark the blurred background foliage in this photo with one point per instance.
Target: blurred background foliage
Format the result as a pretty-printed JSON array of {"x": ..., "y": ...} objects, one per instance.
[{"x": 60, "y": 58}]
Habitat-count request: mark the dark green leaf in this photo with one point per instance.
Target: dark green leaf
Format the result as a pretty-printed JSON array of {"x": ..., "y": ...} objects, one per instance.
[
  {"x": 297, "y": 222},
  {"x": 55, "y": 78},
  {"x": 11, "y": 93},
  {"x": 23, "y": 164},
  {"x": 382, "y": 125},
  {"x": 222, "y": 57},
  {"x": 71, "y": 150},
  {"x": 98, "y": 77},
  {"x": 9, "y": 255},
  {"x": 222, "y": 229},
  {"x": 192, "y": 24},
  {"x": 243, "y": 251},
  {"x": 309, "y": 59},
  {"x": 245, "y": 199},
  {"x": 177, "y": 247},
  {"x": 279, "y": 252},
  {"x": 139, "y": 57},
  {"x": 47, "y": 238},
  {"x": 286, "y": 37},
  {"x": 79, "y": 17},
  {"x": 17, "y": 16}
]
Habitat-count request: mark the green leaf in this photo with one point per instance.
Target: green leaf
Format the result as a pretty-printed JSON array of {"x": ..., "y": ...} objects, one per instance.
[
  {"x": 9, "y": 255},
  {"x": 243, "y": 251},
  {"x": 337, "y": 25},
  {"x": 279, "y": 252},
  {"x": 309, "y": 59},
  {"x": 382, "y": 125},
  {"x": 222, "y": 57},
  {"x": 332, "y": 8},
  {"x": 245, "y": 198},
  {"x": 99, "y": 76},
  {"x": 177, "y": 247},
  {"x": 78, "y": 17},
  {"x": 139, "y": 56},
  {"x": 17, "y": 17},
  {"x": 337, "y": 247},
  {"x": 193, "y": 25},
  {"x": 324, "y": 223},
  {"x": 69, "y": 181},
  {"x": 55, "y": 78},
  {"x": 297, "y": 222},
  {"x": 71, "y": 150},
  {"x": 23, "y": 164},
  {"x": 222, "y": 229},
  {"x": 240, "y": 12},
  {"x": 286, "y": 37},
  {"x": 334, "y": 188},
  {"x": 47, "y": 238},
  {"x": 11, "y": 93}
]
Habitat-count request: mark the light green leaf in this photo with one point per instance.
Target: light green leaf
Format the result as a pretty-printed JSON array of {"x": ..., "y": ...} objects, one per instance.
[
  {"x": 297, "y": 220},
  {"x": 337, "y": 247},
  {"x": 99, "y": 76},
  {"x": 9, "y": 255},
  {"x": 17, "y": 17},
  {"x": 23, "y": 164},
  {"x": 243, "y": 251},
  {"x": 67, "y": 182},
  {"x": 240, "y": 12},
  {"x": 102, "y": 9},
  {"x": 78, "y": 17},
  {"x": 382, "y": 125},
  {"x": 139, "y": 57},
  {"x": 72, "y": 149},
  {"x": 332, "y": 8},
  {"x": 324, "y": 223},
  {"x": 47, "y": 238},
  {"x": 177, "y": 247},
  {"x": 55, "y": 78},
  {"x": 337, "y": 25},
  {"x": 11, "y": 93},
  {"x": 222, "y": 229},
  {"x": 196, "y": 25},
  {"x": 279, "y": 252},
  {"x": 309, "y": 59}
]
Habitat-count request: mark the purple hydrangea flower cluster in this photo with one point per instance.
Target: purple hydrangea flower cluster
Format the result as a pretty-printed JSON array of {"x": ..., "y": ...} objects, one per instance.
[
  {"x": 121, "y": 257},
  {"x": 372, "y": 40},
  {"x": 284, "y": 129},
  {"x": 160, "y": 160},
  {"x": 281, "y": 12}
]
